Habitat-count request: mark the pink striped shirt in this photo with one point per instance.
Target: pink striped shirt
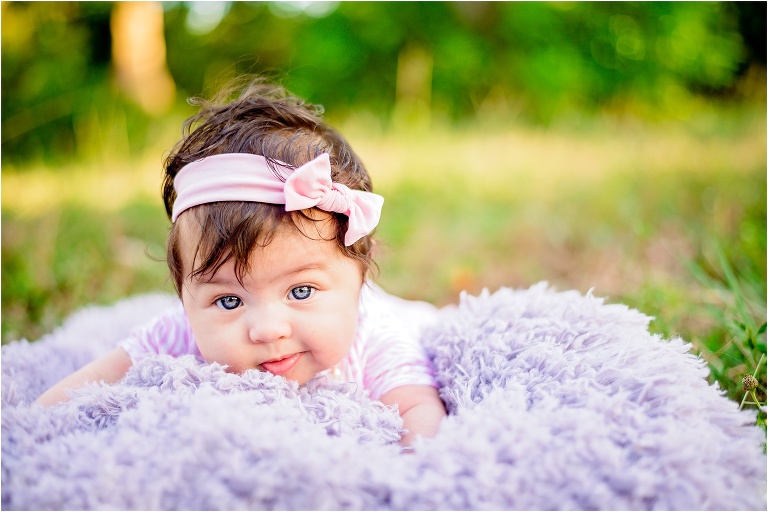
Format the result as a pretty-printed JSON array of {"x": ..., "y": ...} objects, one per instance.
[{"x": 385, "y": 354}]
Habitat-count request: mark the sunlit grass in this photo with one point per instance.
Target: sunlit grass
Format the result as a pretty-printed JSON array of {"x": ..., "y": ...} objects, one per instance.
[{"x": 668, "y": 219}]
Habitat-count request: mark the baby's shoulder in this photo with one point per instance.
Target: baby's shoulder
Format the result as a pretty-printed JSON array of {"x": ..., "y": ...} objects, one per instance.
[
  {"x": 381, "y": 310},
  {"x": 173, "y": 318}
]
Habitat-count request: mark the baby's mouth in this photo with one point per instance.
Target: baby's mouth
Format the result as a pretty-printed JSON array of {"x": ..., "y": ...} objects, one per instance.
[{"x": 282, "y": 365}]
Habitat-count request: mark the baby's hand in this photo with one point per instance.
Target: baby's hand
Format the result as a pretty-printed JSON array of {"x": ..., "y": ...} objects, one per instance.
[{"x": 421, "y": 410}]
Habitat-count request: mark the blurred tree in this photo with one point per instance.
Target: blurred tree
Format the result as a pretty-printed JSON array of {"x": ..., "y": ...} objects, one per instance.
[
  {"x": 525, "y": 62},
  {"x": 752, "y": 17},
  {"x": 60, "y": 99},
  {"x": 53, "y": 54},
  {"x": 138, "y": 53}
]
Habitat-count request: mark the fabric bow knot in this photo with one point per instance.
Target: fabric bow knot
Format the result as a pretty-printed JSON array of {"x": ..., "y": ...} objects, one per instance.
[{"x": 310, "y": 185}]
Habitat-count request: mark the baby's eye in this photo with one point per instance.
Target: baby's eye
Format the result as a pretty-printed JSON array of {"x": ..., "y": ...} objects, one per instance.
[
  {"x": 229, "y": 302},
  {"x": 302, "y": 292}
]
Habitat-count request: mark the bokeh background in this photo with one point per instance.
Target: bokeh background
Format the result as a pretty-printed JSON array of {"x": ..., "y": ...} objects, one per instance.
[{"x": 619, "y": 147}]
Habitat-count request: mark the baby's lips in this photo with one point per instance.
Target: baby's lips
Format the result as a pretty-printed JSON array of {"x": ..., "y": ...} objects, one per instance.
[{"x": 281, "y": 366}]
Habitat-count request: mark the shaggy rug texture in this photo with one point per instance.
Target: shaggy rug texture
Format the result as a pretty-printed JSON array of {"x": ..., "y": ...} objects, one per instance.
[{"x": 556, "y": 401}]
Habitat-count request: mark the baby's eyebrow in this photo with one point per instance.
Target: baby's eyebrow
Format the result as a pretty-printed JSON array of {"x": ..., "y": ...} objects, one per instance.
[
  {"x": 305, "y": 268},
  {"x": 223, "y": 279},
  {"x": 216, "y": 279}
]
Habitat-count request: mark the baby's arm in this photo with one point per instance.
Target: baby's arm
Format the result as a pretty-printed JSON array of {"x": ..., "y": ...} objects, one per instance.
[
  {"x": 420, "y": 407},
  {"x": 110, "y": 368}
]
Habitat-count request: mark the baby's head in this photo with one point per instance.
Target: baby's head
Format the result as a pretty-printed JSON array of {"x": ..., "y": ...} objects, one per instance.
[
  {"x": 272, "y": 214},
  {"x": 262, "y": 120}
]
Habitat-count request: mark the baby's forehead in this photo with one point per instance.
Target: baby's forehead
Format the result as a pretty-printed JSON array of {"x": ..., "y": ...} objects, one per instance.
[
  {"x": 311, "y": 233},
  {"x": 312, "y": 223}
]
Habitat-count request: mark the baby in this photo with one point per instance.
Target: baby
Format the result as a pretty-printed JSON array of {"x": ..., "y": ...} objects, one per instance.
[{"x": 270, "y": 252}]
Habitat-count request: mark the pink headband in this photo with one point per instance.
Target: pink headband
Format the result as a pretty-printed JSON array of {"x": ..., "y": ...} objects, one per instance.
[{"x": 247, "y": 177}]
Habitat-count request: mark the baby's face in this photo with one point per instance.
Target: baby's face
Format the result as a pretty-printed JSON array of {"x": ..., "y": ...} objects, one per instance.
[{"x": 294, "y": 315}]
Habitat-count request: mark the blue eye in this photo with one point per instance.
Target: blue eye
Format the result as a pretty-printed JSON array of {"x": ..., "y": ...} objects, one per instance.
[
  {"x": 229, "y": 302},
  {"x": 302, "y": 292}
]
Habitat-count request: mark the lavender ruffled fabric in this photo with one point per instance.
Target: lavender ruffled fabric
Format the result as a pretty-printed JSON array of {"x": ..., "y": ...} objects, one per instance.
[{"x": 556, "y": 401}]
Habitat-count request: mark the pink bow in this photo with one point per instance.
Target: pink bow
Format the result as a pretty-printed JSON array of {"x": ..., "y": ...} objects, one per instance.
[{"x": 310, "y": 185}]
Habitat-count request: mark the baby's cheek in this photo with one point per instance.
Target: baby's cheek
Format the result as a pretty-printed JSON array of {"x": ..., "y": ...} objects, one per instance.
[
  {"x": 213, "y": 350},
  {"x": 345, "y": 341},
  {"x": 226, "y": 357}
]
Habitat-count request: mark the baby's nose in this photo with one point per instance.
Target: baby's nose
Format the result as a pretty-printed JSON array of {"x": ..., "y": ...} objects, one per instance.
[{"x": 268, "y": 325}]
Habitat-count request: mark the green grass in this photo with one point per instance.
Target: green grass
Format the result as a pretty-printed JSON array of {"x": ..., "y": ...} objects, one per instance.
[
  {"x": 667, "y": 219},
  {"x": 63, "y": 259}
]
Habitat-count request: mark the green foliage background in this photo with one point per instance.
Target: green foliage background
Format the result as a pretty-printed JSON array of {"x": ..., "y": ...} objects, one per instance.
[
  {"x": 615, "y": 145},
  {"x": 543, "y": 63}
]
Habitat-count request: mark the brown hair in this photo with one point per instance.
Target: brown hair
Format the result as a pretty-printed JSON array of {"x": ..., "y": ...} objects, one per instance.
[{"x": 263, "y": 120}]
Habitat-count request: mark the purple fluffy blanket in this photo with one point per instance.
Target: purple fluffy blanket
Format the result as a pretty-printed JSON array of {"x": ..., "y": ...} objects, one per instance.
[{"x": 556, "y": 400}]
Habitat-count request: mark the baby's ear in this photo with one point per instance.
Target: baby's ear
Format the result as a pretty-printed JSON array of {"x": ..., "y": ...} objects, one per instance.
[{"x": 374, "y": 247}]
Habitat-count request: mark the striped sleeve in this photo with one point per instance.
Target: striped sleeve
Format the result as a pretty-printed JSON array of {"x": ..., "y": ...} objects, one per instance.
[
  {"x": 393, "y": 354},
  {"x": 168, "y": 333}
]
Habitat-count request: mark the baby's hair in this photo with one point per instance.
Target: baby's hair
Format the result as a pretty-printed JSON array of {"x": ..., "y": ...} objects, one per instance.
[{"x": 251, "y": 116}]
